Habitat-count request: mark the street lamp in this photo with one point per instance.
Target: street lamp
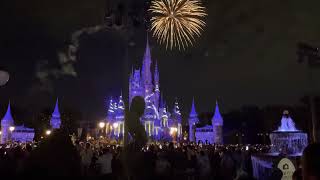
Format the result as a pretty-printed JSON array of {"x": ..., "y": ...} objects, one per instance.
[
  {"x": 173, "y": 130},
  {"x": 11, "y": 128},
  {"x": 102, "y": 125},
  {"x": 48, "y": 132},
  {"x": 115, "y": 125}
]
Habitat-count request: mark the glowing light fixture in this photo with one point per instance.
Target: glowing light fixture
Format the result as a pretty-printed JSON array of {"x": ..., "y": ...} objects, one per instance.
[
  {"x": 102, "y": 125},
  {"x": 48, "y": 132},
  {"x": 11, "y": 128},
  {"x": 173, "y": 130},
  {"x": 115, "y": 125}
]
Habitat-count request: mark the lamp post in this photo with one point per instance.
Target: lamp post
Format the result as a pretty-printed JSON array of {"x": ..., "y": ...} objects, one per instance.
[
  {"x": 173, "y": 133},
  {"x": 11, "y": 129},
  {"x": 48, "y": 132},
  {"x": 116, "y": 129},
  {"x": 101, "y": 126}
]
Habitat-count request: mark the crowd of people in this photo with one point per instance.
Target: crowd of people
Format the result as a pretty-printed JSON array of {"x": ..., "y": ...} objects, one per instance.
[
  {"x": 60, "y": 157},
  {"x": 169, "y": 160},
  {"x": 97, "y": 158}
]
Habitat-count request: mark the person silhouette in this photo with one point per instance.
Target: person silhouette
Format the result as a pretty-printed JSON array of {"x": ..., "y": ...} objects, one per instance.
[
  {"x": 133, "y": 157},
  {"x": 134, "y": 126}
]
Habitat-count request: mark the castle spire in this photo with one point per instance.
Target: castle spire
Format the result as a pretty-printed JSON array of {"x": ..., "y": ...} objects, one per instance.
[
  {"x": 120, "y": 104},
  {"x": 156, "y": 73},
  {"x": 56, "y": 111},
  {"x": 55, "y": 120},
  {"x": 217, "y": 118},
  {"x": 110, "y": 109},
  {"x": 147, "y": 53},
  {"x": 146, "y": 69},
  {"x": 119, "y": 113},
  {"x": 193, "y": 112},
  {"x": 8, "y": 116}
]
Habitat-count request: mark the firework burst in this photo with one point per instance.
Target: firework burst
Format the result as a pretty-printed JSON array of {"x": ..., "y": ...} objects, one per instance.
[{"x": 176, "y": 23}]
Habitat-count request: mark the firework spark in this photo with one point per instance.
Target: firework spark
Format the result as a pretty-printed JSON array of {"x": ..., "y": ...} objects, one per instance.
[{"x": 176, "y": 23}]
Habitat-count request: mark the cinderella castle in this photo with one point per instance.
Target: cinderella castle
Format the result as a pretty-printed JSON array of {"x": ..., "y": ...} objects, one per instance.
[{"x": 159, "y": 123}]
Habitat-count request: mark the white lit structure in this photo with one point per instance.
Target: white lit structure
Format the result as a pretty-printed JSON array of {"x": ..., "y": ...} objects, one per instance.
[{"x": 10, "y": 132}]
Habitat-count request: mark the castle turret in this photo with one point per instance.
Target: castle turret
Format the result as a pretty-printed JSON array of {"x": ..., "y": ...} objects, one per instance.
[
  {"x": 157, "y": 86},
  {"x": 193, "y": 120},
  {"x": 217, "y": 123},
  {"x": 6, "y": 122},
  {"x": 118, "y": 125},
  {"x": 55, "y": 121},
  {"x": 163, "y": 114},
  {"x": 120, "y": 110},
  {"x": 146, "y": 70}
]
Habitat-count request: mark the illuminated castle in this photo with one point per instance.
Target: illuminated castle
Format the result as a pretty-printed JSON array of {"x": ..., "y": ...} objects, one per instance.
[
  {"x": 158, "y": 122},
  {"x": 209, "y": 133}
]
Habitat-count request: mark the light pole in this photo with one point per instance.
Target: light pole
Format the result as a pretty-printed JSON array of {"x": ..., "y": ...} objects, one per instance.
[
  {"x": 11, "y": 129},
  {"x": 173, "y": 133},
  {"x": 48, "y": 132},
  {"x": 101, "y": 126}
]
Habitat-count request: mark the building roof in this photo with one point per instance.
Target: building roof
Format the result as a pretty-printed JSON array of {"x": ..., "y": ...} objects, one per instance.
[
  {"x": 217, "y": 118},
  {"x": 56, "y": 112},
  {"x": 193, "y": 112},
  {"x": 8, "y": 116}
]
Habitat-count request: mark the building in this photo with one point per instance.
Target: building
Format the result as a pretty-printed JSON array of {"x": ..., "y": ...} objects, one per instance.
[
  {"x": 158, "y": 122},
  {"x": 209, "y": 133},
  {"x": 55, "y": 121},
  {"x": 193, "y": 120},
  {"x": 10, "y": 132}
]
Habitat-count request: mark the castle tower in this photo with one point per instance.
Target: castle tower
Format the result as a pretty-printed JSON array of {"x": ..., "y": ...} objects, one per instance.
[
  {"x": 6, "y": 122},
  {"x": 55, "y": 121},
  {"x": 163, "y": 113},
  {"x": 193, "y": 120},
  {"x": 157, "y": 87},
  {"x": 120, "y": 109},
  {"x": 146, "y": 70},
  {"x": 217, "y": 123}
]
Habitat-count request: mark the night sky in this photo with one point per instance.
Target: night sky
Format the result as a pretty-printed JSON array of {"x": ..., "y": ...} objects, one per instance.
[{"x": 246, "y": 55}]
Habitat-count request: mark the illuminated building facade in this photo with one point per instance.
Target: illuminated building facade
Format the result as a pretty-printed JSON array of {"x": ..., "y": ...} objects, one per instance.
[
  {"x": 55, "y": 121},
  {"x": 209, "y": 133},
  {"x": 10, "y": 132},
  {"x": 158, "y": 122}
]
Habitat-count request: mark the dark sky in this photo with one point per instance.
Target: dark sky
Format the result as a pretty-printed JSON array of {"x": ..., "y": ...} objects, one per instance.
[{"x": 246, "y": 55}]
